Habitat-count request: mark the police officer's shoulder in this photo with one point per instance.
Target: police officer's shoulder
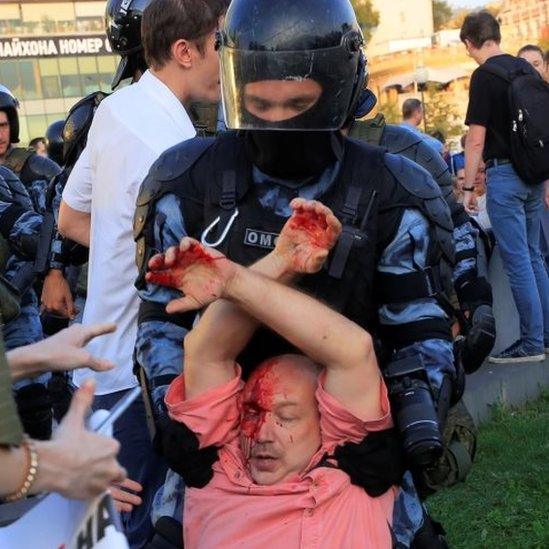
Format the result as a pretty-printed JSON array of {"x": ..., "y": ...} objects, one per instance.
[
  {"x": 172, "y": 165},
  {"x": 42, "y": 167},
  {"x": 7, "y": 174},
  {"x": 398, "y": 139},
  {"x": 415, "y": 179},
  {"x": 178, "y": 159}
]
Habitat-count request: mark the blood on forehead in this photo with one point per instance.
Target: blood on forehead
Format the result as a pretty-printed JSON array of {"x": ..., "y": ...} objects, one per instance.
[{"x": 260, "y": 389}]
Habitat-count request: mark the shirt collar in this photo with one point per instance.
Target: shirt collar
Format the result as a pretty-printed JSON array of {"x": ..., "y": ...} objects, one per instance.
[{"x": 165, "y": 98}]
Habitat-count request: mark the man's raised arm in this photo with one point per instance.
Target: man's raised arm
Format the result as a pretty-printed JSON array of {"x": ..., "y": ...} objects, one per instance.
[{"x": 324, "y": 335}]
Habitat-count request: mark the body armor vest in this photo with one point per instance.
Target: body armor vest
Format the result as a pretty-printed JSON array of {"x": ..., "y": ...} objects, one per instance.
[{"x": 220, "y": 204}]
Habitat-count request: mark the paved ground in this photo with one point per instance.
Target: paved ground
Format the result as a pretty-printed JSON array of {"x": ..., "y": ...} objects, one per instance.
[{"x": 511, "y": 384}]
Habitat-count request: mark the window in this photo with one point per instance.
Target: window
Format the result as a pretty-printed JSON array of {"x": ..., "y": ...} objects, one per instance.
[
  {"x": 106, "y": 66},
  {"x": 88, "y": 73},
  {"x": 37, "y": 125},
  {"x": 9, "y": 76},
  {"x": 29, "y": 79},
  {"x": 70, "y": 78},
  {"x": 49, "y": 73}
]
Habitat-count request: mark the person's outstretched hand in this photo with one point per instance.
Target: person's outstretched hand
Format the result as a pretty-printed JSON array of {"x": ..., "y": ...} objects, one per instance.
[
  {"x": 77, "y": 463},
  {"x": 200, "y": 273},
  {"x": 308, "y": 236},
  {"x": 61, "y": 352}
]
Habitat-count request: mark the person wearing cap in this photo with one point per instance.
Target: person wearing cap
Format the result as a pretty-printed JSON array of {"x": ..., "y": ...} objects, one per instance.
[{"x": 130, "y": 129}]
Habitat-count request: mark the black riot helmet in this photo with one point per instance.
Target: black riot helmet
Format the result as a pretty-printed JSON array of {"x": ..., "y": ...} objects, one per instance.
[
  {"x": 54, "y": 141},
  {"x": 123, "y": 27},
  {"x": 77, "y": 125},
  {"x": 290, "y": 64},
  {"x": 9, "y": 105}
]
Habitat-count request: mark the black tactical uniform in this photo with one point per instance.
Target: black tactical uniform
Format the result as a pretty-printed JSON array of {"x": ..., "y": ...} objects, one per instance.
[{"x": 234, "y": 194}]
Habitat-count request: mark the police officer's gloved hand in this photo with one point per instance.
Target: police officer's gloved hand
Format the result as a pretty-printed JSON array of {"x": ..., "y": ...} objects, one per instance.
[{"x": 179, "y": 446}]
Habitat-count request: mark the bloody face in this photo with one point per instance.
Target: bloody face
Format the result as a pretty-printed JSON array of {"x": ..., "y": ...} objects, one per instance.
[
  {"x": 280, "y": 425},
  {"x": 279, "y": 100}
]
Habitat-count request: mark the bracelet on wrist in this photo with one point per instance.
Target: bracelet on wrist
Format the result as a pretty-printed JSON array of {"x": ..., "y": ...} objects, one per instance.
[
  {"x": 32, "y": 471},
  {"x": 468, "y": 189}
]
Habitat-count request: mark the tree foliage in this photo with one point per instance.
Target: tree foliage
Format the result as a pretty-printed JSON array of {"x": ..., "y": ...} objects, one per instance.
[
  {"x": 391, "y": 111},
  {"x": 440, "y": 113},
  {"x": 368, "y": 17},
  {"x": 442, "y": 14}
]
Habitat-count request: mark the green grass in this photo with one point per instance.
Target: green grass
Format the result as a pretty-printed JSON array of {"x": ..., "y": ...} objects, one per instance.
[{"x": 505, "y": 500}]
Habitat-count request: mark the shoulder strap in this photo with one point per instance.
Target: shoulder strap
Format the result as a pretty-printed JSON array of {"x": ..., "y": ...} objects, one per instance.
[
  {"x": 369, "y": 131},
  {"x": 17, "y": 158},
  {"x": 505, "y": 74},
  {"x": 161, "y": 180}
]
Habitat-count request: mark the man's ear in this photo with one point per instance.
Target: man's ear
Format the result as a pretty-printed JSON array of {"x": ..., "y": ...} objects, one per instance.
[{"x": 182, "y": 53}]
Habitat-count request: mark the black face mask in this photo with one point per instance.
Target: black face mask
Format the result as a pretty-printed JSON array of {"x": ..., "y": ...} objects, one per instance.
[{"x": 293, "y": 154}]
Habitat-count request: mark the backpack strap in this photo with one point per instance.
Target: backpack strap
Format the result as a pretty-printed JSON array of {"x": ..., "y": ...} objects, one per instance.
[{"x": 369, "y": 131}]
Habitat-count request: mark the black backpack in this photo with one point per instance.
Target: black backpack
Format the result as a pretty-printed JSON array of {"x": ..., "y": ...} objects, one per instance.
[{"x": 529, "y": 108}]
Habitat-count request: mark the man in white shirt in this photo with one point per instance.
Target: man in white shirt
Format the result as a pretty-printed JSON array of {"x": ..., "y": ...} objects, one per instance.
[{"x": 131, "y": 128}]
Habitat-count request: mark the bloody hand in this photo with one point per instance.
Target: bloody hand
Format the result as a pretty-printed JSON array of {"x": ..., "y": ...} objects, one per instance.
[
  {"x": 308, "y": 236},
  {"x": 198, "y": 272}
]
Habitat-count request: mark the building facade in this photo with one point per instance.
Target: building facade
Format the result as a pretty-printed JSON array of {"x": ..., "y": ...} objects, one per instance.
[
  {"x": 524, "y": 20},
  {"x": 51, "y": 55},
  {"x": 403, "y": 25}
]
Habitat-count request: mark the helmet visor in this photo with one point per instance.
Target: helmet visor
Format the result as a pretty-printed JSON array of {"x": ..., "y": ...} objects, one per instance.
[{"x": 289, "y": 90}]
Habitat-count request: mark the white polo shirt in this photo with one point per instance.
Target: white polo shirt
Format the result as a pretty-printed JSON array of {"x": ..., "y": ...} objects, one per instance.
[{"x": 130, "y": 129}]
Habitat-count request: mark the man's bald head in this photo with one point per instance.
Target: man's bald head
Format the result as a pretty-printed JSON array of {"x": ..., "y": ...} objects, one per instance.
[{"x": 280, "y": 420}]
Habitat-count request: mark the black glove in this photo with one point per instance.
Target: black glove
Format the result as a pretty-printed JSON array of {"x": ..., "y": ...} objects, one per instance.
[
  {"x": 179, "y": 446},
  {"x": 376, "y": 463}
]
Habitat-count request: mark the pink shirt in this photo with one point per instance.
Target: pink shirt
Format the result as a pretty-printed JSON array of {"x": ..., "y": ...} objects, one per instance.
[{"x": 319, "y": 509}]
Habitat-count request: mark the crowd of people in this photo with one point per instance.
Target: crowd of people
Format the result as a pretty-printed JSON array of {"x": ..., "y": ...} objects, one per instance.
[{"x": 299, "y": 290}]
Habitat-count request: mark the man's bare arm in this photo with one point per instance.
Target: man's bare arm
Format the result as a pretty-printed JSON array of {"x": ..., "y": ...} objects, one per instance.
[
  {"x": 208, "y": 365},
  {"x": 474, "y": 146},
  {"x": 343, "y": 347},
  {"x": 324, "y": 335},
  {"x": 74, "y": 224}
]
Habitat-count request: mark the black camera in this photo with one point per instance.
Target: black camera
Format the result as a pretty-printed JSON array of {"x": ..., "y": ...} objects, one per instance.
[{"x": 414, "y": 411}]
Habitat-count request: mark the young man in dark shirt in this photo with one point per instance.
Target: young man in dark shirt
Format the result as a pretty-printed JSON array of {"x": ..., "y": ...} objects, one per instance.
[{"x": 513, "y": 206}]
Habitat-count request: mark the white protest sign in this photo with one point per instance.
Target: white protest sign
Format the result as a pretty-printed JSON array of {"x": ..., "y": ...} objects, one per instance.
[{"x": 60, "y": 523}]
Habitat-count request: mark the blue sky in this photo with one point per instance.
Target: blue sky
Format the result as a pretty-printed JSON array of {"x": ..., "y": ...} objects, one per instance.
[{"x": 466, "y": 3}]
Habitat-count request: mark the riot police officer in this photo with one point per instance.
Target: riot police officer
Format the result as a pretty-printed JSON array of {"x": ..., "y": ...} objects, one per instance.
[
  {"x": 473, "y": 245},
  {"x": 292, "y": 73},
  {"x": 54, "y": 141},
  {"x": 27, "y": 165},
  {"x": 20, "y": 225}
]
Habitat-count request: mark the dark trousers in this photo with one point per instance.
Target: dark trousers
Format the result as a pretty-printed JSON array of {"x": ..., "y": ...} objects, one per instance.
[{"x": 142, "y": 463}]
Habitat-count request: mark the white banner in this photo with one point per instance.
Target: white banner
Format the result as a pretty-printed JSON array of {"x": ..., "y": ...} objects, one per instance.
[{"x": 59, "y": 523}]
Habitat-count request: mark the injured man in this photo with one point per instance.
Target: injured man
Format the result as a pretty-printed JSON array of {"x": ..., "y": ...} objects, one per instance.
[{"x": 277, "y": 481}]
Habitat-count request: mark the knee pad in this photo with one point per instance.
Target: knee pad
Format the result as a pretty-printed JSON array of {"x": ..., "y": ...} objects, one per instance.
[
  {"x": 479, "y": 340},
  {"x": 474, "y": 292}
]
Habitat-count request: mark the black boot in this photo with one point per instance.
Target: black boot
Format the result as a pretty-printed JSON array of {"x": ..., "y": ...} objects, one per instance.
[{"x": 430, "y": 535}]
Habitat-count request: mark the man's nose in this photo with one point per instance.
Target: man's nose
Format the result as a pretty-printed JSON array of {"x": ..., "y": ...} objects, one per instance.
[{"x": 265, "y": 432}]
